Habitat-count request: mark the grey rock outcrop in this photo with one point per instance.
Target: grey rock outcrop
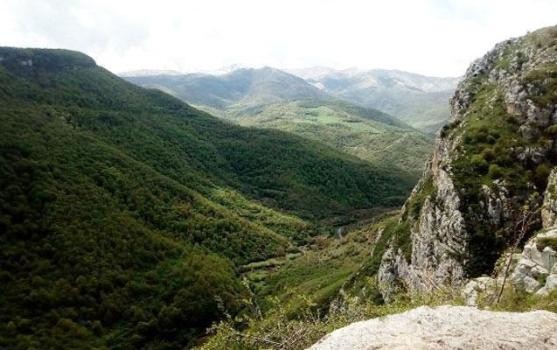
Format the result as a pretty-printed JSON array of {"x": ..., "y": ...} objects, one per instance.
[
  {"x": 480, "y": 287},
  {"x": 393, "y": 269},
  {"x": 447, "y": 327},
  {"x": 549, "y": 207},
  {"x": 443, "y": 226},
  {"x": 536, "y": 270}
]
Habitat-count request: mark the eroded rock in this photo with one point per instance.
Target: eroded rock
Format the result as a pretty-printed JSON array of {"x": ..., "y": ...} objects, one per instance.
[
  {"x": 447, "y": 327},
  {"x": 448, "y": 229}
]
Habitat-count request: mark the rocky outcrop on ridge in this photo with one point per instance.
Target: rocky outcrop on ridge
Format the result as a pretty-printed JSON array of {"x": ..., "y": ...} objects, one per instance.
[{"x": 489, "y": 172}]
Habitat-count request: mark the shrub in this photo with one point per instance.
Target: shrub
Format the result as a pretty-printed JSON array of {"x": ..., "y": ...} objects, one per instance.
[
  {"x": 541, "y": 174},
  {"x": 543, "y": 242},
  {"x": 448, "y": 127},
  {"x": 495, "y": 171},
  {"x": 478, "y": 163},
  {"x": 552, "y": 130},
  {"x": 488, "y": 154}
]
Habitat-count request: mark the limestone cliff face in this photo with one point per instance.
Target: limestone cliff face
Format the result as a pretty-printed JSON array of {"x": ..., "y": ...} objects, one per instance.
[
  {"x": 489, "y": 171},
  {"x": 534, "y": 270},
  {"x": 549, "y": 207}
]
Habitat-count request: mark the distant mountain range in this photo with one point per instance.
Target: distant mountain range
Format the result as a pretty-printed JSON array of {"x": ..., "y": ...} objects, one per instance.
[
  {"x": 418, "y": 100},
  {"x": 242, "y": 87},
  {"x": 272, "y": 98},
  {"x": 148, "y": 72}
]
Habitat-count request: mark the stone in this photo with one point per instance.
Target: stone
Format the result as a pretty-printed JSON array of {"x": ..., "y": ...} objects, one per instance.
[
  {"x": 476, "y": 287},
  {"x": 549, "y": 256},
  {"x": 495, "y": 207},
  {"x": 530, "y": 284},
  {"x": 391, "y": 274},
  {"x": 529, "y": 133},
  {"x": 447, "y": 327},
  {"x": 549, "y": 206},
  {"x": 535, "y": 266},
  {"x": 531, "y": 253},
  {"x": 550, "y": 285},
  {"x": 532, "y": 155},
  {"x": 551, "y": 282},
  {"x": 539, "y": 271}
]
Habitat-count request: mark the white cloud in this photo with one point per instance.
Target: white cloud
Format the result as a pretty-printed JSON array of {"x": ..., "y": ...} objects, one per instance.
[{"x": 436, "y": 37}]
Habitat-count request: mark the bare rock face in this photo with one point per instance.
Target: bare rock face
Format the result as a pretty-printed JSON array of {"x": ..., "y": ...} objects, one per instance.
[
  {"x": 534, "y": 270},
  {"x": 549, "y": 208},
  {"x": 447, "y": 327},
  {"x": 393, "y": 268},
  {"x": 491, "y": 160},
  {"x": 537, "y": 269}
]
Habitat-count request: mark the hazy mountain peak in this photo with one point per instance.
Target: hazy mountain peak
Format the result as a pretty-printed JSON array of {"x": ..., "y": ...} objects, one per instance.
[
  {"x": 419, "y": 100},
  {"x": 149, "y": 72}
]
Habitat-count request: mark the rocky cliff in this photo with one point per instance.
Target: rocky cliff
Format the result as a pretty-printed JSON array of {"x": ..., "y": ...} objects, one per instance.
[{"x": 486, "y": 187}]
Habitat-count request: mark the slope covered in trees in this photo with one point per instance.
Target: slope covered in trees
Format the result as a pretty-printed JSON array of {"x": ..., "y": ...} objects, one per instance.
[
  {"x": 273, "y": 99},
  {"x": 124, "y": 212}
]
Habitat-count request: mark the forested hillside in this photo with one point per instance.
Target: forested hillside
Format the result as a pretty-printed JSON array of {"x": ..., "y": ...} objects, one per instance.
[
  {"x": 480, "y": 228},
  {"x": 124, "y": 212},
  {"x": 273, "y": 99}
]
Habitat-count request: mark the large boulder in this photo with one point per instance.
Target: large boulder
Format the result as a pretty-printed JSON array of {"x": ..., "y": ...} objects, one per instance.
[{"x": 447, "y": 327}]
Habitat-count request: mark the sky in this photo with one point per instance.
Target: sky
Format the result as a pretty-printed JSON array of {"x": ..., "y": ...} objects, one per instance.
[{"x": 431, "y": 37}]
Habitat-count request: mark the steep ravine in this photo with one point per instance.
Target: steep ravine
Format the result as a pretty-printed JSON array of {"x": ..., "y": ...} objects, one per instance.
[{"x": 482, "y": 218}]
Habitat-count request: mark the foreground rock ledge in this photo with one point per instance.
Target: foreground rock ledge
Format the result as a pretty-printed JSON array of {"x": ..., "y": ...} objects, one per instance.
[{"x": 447, "y": 327}]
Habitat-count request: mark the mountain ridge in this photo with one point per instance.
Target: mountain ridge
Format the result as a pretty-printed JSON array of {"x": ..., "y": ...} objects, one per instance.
[
  {"x": 272, "y": 99},
  {"x": 417, "y": 99},
  {"x": 423, "y": 105}
]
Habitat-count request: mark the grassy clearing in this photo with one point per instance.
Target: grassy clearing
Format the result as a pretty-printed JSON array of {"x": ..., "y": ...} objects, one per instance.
[{"x": 347, "y": 130}]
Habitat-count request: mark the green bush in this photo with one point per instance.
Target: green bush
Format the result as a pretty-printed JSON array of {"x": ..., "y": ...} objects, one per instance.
[
  {"x": 488, "y": 154},
  {"x": 541, "y": 175},
  {"x": 551, "y": 130},
  {"x": 495, "y": 171},
  {"x": 543, "y": 242},
  {"x": 479, "y": 164}
]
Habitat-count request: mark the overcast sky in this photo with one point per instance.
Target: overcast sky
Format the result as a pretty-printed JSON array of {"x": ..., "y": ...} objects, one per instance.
[{"x": 433, "y": 37}]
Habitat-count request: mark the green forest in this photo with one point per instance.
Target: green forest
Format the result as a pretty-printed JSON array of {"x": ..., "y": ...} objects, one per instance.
[{"x": 126, "y": 214}]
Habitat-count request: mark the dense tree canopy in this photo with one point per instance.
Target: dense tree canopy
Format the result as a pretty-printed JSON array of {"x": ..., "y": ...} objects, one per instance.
[{"x": 123, "y": 211}]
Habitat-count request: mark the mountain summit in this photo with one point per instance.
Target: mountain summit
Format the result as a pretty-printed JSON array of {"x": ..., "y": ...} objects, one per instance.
[
  {"x": 247, "y": 87},
  {"x": 418, "y": 100}
]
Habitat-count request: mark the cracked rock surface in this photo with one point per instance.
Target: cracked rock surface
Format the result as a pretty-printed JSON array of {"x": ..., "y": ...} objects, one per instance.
[{"x": 447, "y": 327}]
